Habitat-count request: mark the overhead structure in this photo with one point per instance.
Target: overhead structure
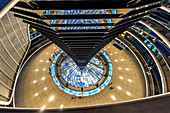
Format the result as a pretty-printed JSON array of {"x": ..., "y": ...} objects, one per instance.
[{"x": 96, "y": 25}]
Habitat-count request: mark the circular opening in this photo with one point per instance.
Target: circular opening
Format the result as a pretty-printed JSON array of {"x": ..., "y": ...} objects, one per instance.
[
  {"x": 92, "y": 79},
  {"x": 82, "y": 78}
]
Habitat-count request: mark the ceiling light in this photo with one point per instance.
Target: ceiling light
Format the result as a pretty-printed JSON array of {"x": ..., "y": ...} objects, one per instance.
[
  {"x": 36, "y": 94},
  {"x": 113, "y": 97},
  {"x": 47, "y": 53},
  {"x": 34, "y": 81},
  {"x": 47, "y": 61},
  {"x": 36, "y": 70},
  {"x": 41, "y": 60},
  {"x": 115, "y": 52},
  {"x": 110, "y": 53},
  {"x": 61, "y": 106},
  {"x": 122, "y": 59},
  {"x": 127, "y": 68},
  {"x": 44, "y": 69},
  {"x": 128, "y": 93},
  {"x": 54, "y": 47},
  {"x": 45, "y": 88},
  {"x": 105, "y": 49},
  {"x": 119, "y": 68},
  {"x": 121, "y": 77},
  {"x": 116, "y": 60},
  {"x": 129, "y": 80},
  {"x": 43, "y": 78},
  {"x": 42, "y": 108},
  {"x": 51, "y": 98},
  {"x": 119, "y": 88},
  {"x": 108, "y": 46}
]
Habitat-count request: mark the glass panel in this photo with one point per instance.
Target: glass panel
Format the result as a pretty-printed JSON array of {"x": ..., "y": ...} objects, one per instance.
[{"x": 76, "y": 77}]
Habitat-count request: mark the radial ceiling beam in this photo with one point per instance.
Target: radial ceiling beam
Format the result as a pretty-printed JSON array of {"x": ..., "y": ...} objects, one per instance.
[
  {"x": 115, "y": 31},
  {"x": 84, "y": 45},
  {"x": 86, "y": 4},
  {"x": 31, "y": 19},
  {"x": 142, "y": 9},
  {"x": 28, "y": 13},
  {"x": 127, "y": 20},
  {"x": 87, "y": 16}
]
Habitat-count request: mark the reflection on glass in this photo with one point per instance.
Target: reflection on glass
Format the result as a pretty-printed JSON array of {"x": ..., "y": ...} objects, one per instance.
[
  {"x": 76, "y": 77},
  {"x": 94, "y": 69}
]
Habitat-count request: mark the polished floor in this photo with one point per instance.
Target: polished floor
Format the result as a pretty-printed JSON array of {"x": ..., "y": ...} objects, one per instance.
[{"x": 36, "y": 88}]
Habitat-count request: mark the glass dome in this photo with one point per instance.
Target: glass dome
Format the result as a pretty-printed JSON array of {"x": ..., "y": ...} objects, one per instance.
[{"x": 76, "y": 77}]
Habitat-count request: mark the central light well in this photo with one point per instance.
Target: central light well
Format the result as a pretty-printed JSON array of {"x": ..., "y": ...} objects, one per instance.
[
  {"x": 76, "y": 77},
  {"x": 95, "y": 76}
]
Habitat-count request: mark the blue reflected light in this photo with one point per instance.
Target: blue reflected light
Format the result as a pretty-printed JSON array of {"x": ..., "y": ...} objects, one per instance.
[
  {"x": 98, "y": 71},
  {"x": 76, "y": 77},
  {"x": 80, "y": 21}
]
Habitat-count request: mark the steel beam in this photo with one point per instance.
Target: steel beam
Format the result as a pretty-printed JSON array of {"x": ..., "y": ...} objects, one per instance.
[
  {"x": 141, "y": 9},
  {"x": 27, "y": 13},
  {"x": 93, "y": 4}
]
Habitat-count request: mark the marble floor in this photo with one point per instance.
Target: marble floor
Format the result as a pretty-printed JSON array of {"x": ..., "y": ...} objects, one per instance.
[{"x": 36, "y": 88}]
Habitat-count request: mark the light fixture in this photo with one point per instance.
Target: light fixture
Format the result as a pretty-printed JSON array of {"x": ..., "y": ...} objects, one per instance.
[
  {"x": 51, "y": 98},
  {"x": 47, "y": 53},
  {"x": 36, "y": 94},
  {"x": 121, "y": 77},
  {"x": 42, "y": 108},
  {"x": 34, "y": 81},
  {"x": 116, "y": 60},
  {"x": 54, "y": 47},
  {"x": 43, "y": 78},
  {"x": 105, "y": 49},
  {"x": 119, "y": 88},
  {"x": 41, "y": 60},
  {"x": 128, "y": 93},
  {"x": 36, "y": 70},
  {"x": 119, "y": 68},
  {"x": 122, "y": 59},
  {"x": 45, "y": 88},
  {"x": 108, "y": 46},
  {"x": 44, "y": 69},
  {"x": 110, "y": 53},
  {"x": 115, "y": 52},
  {"x": 113, "y": 97},
  {"x": 129, "y": 80},
  {"x": 61, "y": 106},
  {"x": 47, "y": 61},
  {"x": 51, "y": 54},
  {"x": 127, "y": 69}
]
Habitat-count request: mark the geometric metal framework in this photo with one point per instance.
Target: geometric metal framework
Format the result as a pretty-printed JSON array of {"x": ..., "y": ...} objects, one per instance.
[{"x": 82, "y": 44}]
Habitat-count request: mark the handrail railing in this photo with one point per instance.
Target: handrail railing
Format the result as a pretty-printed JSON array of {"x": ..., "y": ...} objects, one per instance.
[
  {"x": 7, "y": 7},
  {"x": 158, "y": 103}
]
